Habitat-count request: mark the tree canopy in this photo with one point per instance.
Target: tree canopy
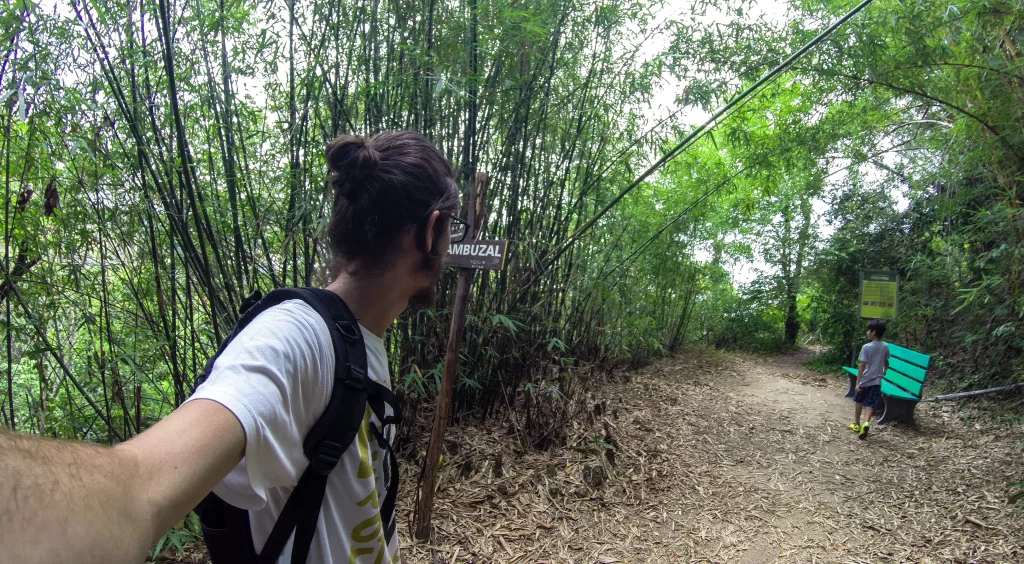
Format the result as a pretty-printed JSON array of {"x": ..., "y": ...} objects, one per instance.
[{"x": 163, "y": 160}]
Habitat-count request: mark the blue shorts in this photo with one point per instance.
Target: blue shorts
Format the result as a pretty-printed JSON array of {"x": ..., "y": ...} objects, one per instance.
[{"x": 868, "y": 395}]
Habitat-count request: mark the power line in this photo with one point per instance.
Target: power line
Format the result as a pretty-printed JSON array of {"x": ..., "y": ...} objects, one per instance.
[
  {"x": 709, "y": 124},
  {"x": 643, "y": 247}
]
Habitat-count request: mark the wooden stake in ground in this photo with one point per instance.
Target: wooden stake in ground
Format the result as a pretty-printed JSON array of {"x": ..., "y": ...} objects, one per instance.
[{"x": 475, "y": 217}]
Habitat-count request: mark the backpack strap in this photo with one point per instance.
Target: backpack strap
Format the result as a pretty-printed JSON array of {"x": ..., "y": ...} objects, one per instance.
[
  {"x": 334, "y": 432},
  {"x": 250, "y": 309},
  {"x": 387, "y": 508},
  {"x": 378, "y": 396}
]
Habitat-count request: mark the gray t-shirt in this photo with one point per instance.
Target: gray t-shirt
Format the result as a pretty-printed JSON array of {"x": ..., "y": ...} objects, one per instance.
[{"x": 874, "y": 355}]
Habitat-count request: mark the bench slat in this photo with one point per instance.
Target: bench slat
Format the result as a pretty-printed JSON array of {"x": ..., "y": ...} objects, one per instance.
[
  {"x": 890, "y": 390},
  {"x": 909, "y": 370},
  {"x": 894, "y": 383},
  {"x": 910, "y": 356},
  {"x": 908, "y": 384}
]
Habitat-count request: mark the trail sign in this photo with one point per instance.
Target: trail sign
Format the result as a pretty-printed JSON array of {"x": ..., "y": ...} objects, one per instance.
[
  {"x": 468, "y": 257},
  {"x": 878, "y": 289},
  {"x": 488, "y": 255}
]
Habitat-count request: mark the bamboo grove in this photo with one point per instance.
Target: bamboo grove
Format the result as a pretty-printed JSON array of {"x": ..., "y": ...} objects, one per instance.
[{"x": 162, "y": 161}]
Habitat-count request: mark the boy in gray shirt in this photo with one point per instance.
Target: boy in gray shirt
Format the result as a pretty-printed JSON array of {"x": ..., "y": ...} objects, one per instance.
[{"x": 874, "y": 363}]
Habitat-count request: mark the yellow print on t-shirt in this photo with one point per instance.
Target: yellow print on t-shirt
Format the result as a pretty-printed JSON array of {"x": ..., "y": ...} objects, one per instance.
[{"x": 370, "y": 532}]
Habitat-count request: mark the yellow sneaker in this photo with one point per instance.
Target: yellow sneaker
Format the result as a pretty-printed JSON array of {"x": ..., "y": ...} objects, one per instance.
[
  {"x": 864, "y": 430},
  {"x": 855, "y": 427}
]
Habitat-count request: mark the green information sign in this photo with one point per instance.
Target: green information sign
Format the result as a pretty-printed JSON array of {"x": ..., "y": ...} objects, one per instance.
[{"x": 878, "y": 293}]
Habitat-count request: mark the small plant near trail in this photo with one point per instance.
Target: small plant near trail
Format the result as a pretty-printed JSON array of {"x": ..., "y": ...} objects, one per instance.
[
  {"x": 829, "y": 362},
  {"x": 188, "y": 531},
  {"x": 1017, "y": 493}
]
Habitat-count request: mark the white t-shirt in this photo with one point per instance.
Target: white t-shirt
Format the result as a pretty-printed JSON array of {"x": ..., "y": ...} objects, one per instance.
[{"x": 276, "y": 377}]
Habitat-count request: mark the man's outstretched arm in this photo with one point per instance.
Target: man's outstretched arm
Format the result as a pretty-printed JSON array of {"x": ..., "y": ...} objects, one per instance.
[{"x": 63, "y": 501}]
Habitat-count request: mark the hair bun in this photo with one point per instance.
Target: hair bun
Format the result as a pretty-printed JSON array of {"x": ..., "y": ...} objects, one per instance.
[{"x": 352, "y": 161}]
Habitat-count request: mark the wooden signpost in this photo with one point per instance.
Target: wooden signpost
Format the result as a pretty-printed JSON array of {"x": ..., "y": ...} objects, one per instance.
[{"x": 468, "y": 256}]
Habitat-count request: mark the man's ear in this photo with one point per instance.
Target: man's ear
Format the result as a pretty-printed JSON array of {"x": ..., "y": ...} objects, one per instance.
[{"x": 432, "y": 221}]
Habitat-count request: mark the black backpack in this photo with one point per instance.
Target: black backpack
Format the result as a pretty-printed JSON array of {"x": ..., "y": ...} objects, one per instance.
[{"x": 226, "y": 528}]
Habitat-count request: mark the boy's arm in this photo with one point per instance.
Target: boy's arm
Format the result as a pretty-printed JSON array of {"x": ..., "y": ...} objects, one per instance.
[
  {"x": 860, "y": 373},
  {"x": 63, "y": 501}
]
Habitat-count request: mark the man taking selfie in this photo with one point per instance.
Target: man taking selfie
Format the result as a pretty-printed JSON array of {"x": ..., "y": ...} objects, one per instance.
[{"x": 293, "y": 444}]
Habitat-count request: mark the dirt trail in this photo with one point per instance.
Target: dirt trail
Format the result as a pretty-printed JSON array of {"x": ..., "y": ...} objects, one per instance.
[
  {"x": 731, "y": 458},
  {"x": 784, "y": 381}
]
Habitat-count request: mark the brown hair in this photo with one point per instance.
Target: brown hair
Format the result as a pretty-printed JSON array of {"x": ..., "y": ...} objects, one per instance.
[{"x": 384, "y": 186}]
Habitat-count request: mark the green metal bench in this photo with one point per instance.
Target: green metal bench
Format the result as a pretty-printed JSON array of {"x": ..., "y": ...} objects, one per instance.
[{"x": 902, "y": 385}]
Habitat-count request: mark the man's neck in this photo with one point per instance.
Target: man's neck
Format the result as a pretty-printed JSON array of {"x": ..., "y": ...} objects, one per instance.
[{"x": 376, "y": 303}]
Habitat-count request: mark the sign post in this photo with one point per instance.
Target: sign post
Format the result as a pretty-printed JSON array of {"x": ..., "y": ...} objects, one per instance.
[
  {"x": 468, "y": 257},
  {"x": 878, "y": 290}
]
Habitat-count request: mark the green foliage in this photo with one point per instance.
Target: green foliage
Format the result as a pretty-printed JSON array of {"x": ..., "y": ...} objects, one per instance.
[
  {"x": 831, "y": 361},
  {"x": 750, "y": 321},
  {"x": 904, "y": 121},
  {"x": 189, "y": 171},
  {"x": 185, "y": 532},
  {"x": 1018, "y": 489},
  {"x": 511, "y": 325}
]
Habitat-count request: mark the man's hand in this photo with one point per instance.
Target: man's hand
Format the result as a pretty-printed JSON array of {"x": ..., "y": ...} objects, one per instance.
[
  {"x": 63, "y": 501},
  {"x": 857, "y": 389}
]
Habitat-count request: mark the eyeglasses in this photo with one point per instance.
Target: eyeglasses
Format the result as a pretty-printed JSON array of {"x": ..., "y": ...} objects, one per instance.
[{"x": 459, "y": 229}]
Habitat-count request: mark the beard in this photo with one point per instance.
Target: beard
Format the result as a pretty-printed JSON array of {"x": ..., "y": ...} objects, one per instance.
[{"x": 426, "y": 297}]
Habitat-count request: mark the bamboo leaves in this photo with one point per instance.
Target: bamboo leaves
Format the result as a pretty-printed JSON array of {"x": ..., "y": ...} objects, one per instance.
[{"x": 184, "y": 141}]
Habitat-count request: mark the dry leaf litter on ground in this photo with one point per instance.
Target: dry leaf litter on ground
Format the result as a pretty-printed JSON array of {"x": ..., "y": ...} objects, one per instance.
[
  {"x": 724, "y": 457},
  {"x": 727, "y": 458}
]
